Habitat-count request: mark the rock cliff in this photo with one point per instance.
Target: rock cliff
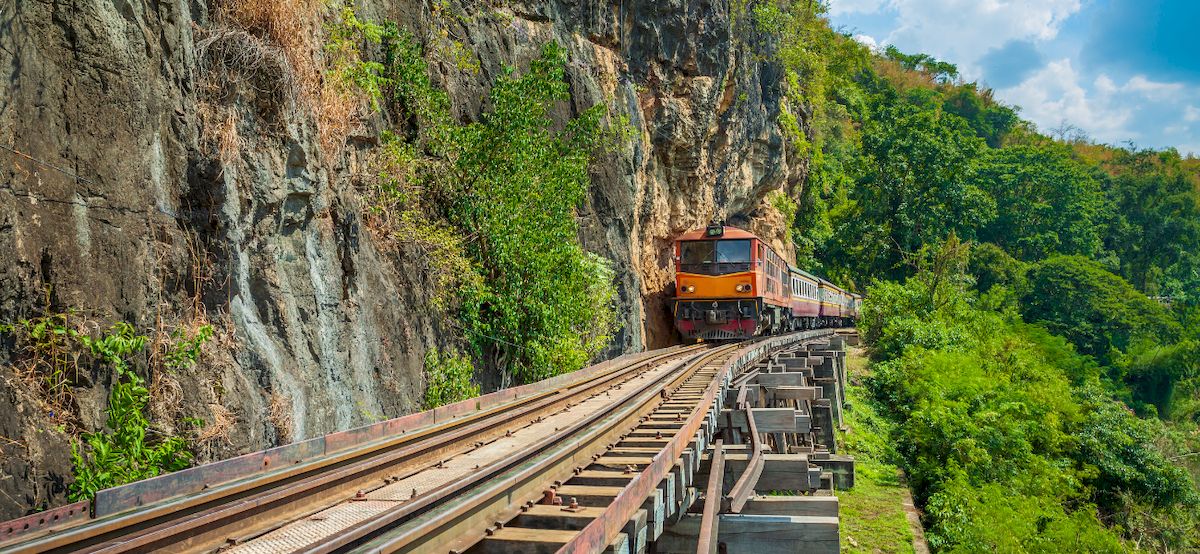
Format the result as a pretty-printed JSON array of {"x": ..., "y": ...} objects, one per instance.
[{"x": 145, "y": 178}]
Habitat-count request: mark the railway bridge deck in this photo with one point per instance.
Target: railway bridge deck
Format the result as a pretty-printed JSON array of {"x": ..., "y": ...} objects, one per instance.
[{"x": 664, "y": 451}]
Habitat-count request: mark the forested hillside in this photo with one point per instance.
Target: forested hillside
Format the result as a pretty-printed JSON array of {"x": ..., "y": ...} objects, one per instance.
[{"x": 1033, "y": 301}]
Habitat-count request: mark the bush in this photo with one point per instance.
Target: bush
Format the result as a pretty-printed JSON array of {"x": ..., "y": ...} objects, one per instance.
[
  {"x": 1120, "y": 448},
  {"x": 990, "y": 266},
  {"x": 123, "y": 453},
  {"x": 1004, "y": 432},
  {"x": 1155, "y": 371},
  {"x": 448, "y": 378},
  {"x": 992, "y": 518}
]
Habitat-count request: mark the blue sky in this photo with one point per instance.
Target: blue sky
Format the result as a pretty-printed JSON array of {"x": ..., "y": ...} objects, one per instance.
[{"x": 1120, "y": 70}]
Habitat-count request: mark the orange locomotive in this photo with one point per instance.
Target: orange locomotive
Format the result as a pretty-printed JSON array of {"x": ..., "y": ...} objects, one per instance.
[{"x": 730, "y": 284}]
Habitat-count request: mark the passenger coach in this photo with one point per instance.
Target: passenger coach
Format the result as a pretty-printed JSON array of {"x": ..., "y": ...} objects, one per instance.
[{"x": 729, "y": 284}]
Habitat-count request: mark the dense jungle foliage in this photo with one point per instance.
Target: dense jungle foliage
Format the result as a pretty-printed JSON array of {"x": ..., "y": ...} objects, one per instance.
[{"x": 1033, "y": 302}]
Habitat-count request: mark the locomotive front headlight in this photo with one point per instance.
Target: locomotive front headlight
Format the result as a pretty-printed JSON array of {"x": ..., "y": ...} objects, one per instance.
[
  {"x": 689, "y": 288},
  {"x": 742, "y": 287}
]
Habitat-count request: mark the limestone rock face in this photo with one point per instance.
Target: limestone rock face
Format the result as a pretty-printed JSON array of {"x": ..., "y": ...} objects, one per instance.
[{"x": 134, "y": 187}]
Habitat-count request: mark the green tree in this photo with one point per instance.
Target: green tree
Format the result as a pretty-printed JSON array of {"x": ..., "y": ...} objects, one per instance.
[
  {"x": 990, "y": 265},
  {"x": 1155, "y": 231},
  {"x": 534, "y": 303},
  {"x": 916, "y": 187},
  {"x": 991, "y": 120},
  {"x": 1046, "y": 203},
  {"x": 1154, "y": 371},
  {"x": 1101, "y": 313}
]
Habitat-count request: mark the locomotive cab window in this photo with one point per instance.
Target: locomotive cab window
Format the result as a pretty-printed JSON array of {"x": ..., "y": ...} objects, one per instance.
[
  {"x": 733, "y": 251},
  {"x": 715, "y": 257}
]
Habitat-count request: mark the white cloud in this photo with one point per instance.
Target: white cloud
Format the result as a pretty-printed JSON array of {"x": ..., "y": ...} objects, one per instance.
[
  {"x": 1054, "y": 93},
  {"x": 962, "y": 31},
  {"x": 1154, "y": 90},
  {"x": 1105, "y": 84},
  {"x": 868, "y": 41},
  {"x": 1138, "y": 109},
  {"x": 842, "y": 7},
  {"x": 1191, "y": 114}
]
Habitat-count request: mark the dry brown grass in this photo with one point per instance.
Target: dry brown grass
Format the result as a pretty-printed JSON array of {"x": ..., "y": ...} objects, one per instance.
[
  {"x": 223, "y": 140},
  {"x": 47, "y": 364},
  {"x": 279, "y": 413},
  {"x": 292, "y": 25},
  {"x": 276, "y": 47},
  {"x": 217, "y": 427},
  {"x": 903, "y": 79},
  {"x": 166, "y": 400}
]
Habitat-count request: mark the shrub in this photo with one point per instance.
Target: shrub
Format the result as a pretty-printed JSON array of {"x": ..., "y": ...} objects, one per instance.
[
  {"x": 184, "y": 349},
  {"x": 48, "y": 354},
  {"x": 1006, "y": 436},
  {"x": 122, "y": 453},
  {"x": 1154, "y": 371},
  {"x": 990, "y": 266},
  {"x": 449, "y": 378}
]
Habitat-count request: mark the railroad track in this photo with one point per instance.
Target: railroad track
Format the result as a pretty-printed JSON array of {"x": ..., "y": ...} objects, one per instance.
[{"x": 594, "y": 461}]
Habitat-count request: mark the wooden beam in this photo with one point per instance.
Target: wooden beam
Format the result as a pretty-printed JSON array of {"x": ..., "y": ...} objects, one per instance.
[
  {"x": 759, "y": 534},
  {"x": 795, "y": 393},
  {"x": 512, "y": 540},
  {"x": 767, "y": 420},
  {"x": 823, "y": 506}
]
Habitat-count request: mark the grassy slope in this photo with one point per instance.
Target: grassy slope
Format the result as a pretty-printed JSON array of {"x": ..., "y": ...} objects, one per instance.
[{"x": 872, "y": 513}]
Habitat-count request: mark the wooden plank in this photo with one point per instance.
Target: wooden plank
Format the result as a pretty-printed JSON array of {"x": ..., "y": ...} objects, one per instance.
[
  {"x": 757, "y": 534},
  {"x": 619, "y": 462},
  {"x": 803, "y": 423},
  {"x": 790, "y": 379},
  {"x": 545, "y": 516},
  {"x": 767, "y": 420},
  {"x": 793, "y": 364},
  {"x": 515, "y": 540},
  {"x": 529, "y": 541},
  {"x": 795, "y": 393},
  {"x": 634, "y": 451},
  {"x": 588, "y": 495},
  {"x": 638, "y": 532},
  {"x": 656, "y": 517},
  {"x": 608, "y": 478},
  {"x": 644, "y": 442},
  {"x": 786, "y": 472},
  {"x": 823, "y": 506}
]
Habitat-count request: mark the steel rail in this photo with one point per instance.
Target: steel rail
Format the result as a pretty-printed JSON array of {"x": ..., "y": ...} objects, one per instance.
[
  {"x": 597, "y": 534},
  {"x": 187, "y": 522},
  {"x": 712, "y": 501},
  {"x": 601, "y": 531},
  {"x": 389, "y": 519},
  {"x": 743, "y": 489},
  {"x": 455, "y": 528}
]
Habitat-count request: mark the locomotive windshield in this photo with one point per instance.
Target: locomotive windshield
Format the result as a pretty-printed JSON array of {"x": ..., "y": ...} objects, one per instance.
[{"x": 715, "y": 257}]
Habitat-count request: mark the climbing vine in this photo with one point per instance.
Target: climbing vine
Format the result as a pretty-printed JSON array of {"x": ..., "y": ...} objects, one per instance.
[{"x": 533, "y": 303}]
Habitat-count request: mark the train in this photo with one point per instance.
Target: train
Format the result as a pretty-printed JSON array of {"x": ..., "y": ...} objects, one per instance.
[{"x": 730, "y": 284}]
